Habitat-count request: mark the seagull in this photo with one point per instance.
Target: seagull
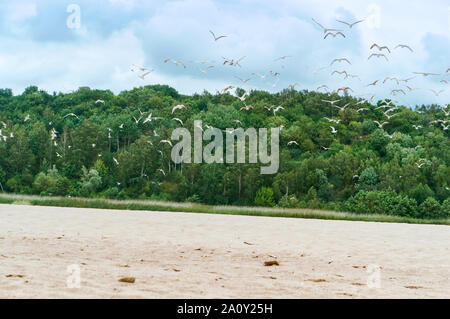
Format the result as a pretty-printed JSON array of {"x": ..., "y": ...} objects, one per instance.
[
  {"x": 394, "y": 92},
  {"x": 292, "y": 142},
  {"x": 362, "y": 109},
  {"x": 391, "y": 79},
  {"x": 322, "y": 87},
  {"x": 178, "y": 120},
  {"x": 225, "y": 90},
  {"x": 70, "y": 114},
  {"x": 373, "y": 83},
  {"x": 137, "y": 120},
  {"x": 333, "y": 120},
  {"x": 380, "y": 48},
  {"x": 27, "y": 118},
  {"x": 437, "y": 93},
  {"x": 206, "y": 69},
  {"x": 378, "y": 55},
  {"x": 339, "y": 72},
  {"x": 162, "y": 171},
  {"x": 380, "y": 125},
  {"x": 334, "y": 34},
  {"x": 333, "y": 130},
  {"x": 259, "y": 75},
  {"x": 53, "y": 134},
  {"x": 175, "y": 62},
  {"x": 274, "y": 73},
  {"x": 425, "y": 74},
  {"x": 445, "y": 128},
  {"x": 417, "y": 127},
  {"x": 345, "y": 89},
  {"x": 404, "y": 46},
  {"x": 99, "y": 101},
  {"x": 407, "y": 80},
  {"x": 246, "y": 107},
  {"x": 293, "y": 85},
  {"x": 343, "y": 107},
  {"x": 325, "y": 30},
  {"x": 420, "y": 165},
  {"x": 331, "y": 102},
  {"x": 278, "y": 108},
  {"x": 150, "y": 118},
  {"x": 350, "y": 25},
  {"x": 243, "y": 97},
  {"x": 217, "y": 38},
  {"x": 284, "y": 57},
  {"x": 142, "y": 76},
  {"x": 115, "y": 161},
  {"x": 167, "y": 142},
  {"x": 243, "y": 80},
  {"x": 178, "y": 107}
]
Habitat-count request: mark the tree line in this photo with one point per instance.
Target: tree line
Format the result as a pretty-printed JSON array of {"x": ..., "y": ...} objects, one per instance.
[{"x": 93, "y": 143}]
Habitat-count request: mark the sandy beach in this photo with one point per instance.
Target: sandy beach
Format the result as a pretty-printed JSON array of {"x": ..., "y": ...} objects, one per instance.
[{"x": 183, "y": 255}]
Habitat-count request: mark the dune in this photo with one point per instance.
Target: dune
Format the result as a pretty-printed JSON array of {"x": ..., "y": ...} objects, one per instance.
[{"x": 45, "y": 250}]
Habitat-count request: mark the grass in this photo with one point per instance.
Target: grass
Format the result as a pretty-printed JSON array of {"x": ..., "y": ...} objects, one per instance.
[{"x": 150, "y": 205}]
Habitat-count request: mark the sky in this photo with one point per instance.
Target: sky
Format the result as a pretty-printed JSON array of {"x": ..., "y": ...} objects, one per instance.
[{"x": 61, "y": 45}]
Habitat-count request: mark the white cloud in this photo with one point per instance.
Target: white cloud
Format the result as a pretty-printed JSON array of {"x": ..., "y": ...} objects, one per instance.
[{"x": 259, "y": 30}]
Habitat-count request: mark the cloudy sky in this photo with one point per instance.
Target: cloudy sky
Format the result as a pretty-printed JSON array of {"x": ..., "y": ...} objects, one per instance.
[{"x": 42, "y": 44}]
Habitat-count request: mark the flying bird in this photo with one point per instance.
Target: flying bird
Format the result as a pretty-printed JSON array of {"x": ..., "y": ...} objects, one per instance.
[
  {"x": 217, "y": 38},
  {"x": 167, "y": 142},
  {"x": 178, "y": 120},
  {"x": 380, "y": 125},
  {"x": 350, "y": 25},
  {"x": 204, "y": 71},
  {"x": 404, "y": 46},
  {"x": 380, "y": 48},
  {"x": 178, "y": 107},
  {"x": 325, "y": 30},
  {"x": 70, "y": 114},
  {"x": 378, "y": 55},
  {"x": 334, "y": 34},
  {"x": 144, "y": 75},
  {"x": 425, "y": 74}
]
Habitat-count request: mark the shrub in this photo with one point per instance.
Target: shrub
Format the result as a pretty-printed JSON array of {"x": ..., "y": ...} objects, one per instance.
[
  {"x": 288, "y": 201},
  {"x": 264, "y": 197},
  {"x": 430, "y": 208},
  {"x": 445, "y": 208}
]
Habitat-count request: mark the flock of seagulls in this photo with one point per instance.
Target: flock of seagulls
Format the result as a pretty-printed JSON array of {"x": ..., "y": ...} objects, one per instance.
[{"x": 377, "y": 51}]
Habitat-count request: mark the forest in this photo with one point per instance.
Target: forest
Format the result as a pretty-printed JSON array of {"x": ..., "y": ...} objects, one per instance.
[{"x": 359, "y": 158}]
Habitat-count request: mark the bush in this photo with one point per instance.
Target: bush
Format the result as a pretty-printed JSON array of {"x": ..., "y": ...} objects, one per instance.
[
  {"x": 382, "y": 203},
  {"x": 193, "y": 199},
  {"x": 264, "y": 197},
  {"x": 368, "y": 179},
  {"x": 111, "y": 193},
  {"x": 445, "y": 208},
  {"x": 421, "y": 192},
  {"x": 288, "y": 201},
  {"x": 430, "y": 208}
]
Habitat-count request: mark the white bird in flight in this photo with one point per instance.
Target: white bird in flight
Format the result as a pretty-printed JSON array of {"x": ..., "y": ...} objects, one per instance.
[
  {"x": 178, "y": 107},
  {"x": 350, "y": 25},
  {"x": 217, "y": 38}
]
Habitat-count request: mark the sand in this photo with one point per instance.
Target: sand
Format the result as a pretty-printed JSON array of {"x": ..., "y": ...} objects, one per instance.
[{"x": 183, "y": 255}]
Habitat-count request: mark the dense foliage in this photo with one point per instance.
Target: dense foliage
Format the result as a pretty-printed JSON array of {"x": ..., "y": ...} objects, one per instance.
[{"x": 362, "y": 168}]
